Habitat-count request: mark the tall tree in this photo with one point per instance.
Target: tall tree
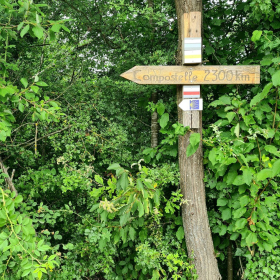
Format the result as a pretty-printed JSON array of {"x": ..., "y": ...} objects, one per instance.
[{"x": 194, "y": 213}]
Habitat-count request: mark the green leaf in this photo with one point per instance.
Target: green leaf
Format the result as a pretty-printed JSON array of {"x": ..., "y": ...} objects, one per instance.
[
  {"x": 259, "y": 97},
  {"x": 270, "y": 200},
  {"x": 140, "y": 208},
  {"x": 239, "y": 212},
  {"x": 240, "y": 223},
  {"x": 124, "y": 181},
  {"x": 223, "y": 230},
  {"x": 195, "y": 139},
  {"x": 24, "y": 30},
  {"x": 194, "y": 144},
  {"x": 44, "y": 248},
  {"x": 247, "y": 176},
  {"x": 24, "y": 82},
  {"x": 276, "y": 78},
  {"x": 38, "y": 31},
  {"x": 21, "y": 107},
  {"x": 65, "y": 28},
  {"x": 18, "y": 199},
  {"x": 209, "y": 50},
  {"x": 191, "y": 150},
  {"x": 160, "y": 108},
  {"x": 132, "y": 233},
  {"x": 180, "y": 234},
  {"x": 25, "y": 272},
  {"x": 237, "y": 130},
  {"x": 264, "y": 174},
  {"x": 234, "y": 236},
  {"x": 20, "y": 26},
  {"x": 164, "y": 120},
  {"x": 226, "y": 214},
  {"x": 251, "y": 239},
  {"x": 244, "y": 200},
  {"x": 238, "y": 181},
  {"x": 113, "y": 166},
  {"x": 35, "y": 89},
  {"x": 98, "y": 179},
  {"x": 42, "y": 84},
  {"x": 256, "y": 35},
  {"x": 230, "y": 116},
  {"x": 276, "y": 168},
  {"x": 56, "y": 27},
  {"x": 222, "y": 201}
]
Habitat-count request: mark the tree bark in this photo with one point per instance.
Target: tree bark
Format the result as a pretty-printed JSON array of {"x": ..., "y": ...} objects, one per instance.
[
  {"x": 194, "y": 212},
  {"x": 154, "y": 123},
  {"x": 229, "y": 260}
]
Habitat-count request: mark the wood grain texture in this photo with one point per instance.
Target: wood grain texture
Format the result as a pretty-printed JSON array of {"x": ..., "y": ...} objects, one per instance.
[
  {"x": 194, "y": 75},
  {"x": 194, "y": 213},
  {"x": 191, "y": 28}
]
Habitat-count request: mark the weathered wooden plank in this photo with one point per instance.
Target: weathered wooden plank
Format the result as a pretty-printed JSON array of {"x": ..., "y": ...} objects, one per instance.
[
  {"x": 191, "y": 26},
  {"x": 191, "y": 29},
  {"x": 194, "y": 75}
]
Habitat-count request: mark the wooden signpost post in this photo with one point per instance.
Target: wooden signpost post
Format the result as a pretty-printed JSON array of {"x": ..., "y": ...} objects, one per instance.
[{"x": 197, "y": 231}]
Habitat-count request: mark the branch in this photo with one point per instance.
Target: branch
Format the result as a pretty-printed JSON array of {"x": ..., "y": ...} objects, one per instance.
[{"x": 8, "y": 179}]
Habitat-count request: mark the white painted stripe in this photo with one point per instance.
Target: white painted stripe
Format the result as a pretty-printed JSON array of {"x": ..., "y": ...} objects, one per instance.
[
  {"x": 193, "y": 40},
  {"x": 192, "y": 52},
  {"x": 191, "y": 88}
]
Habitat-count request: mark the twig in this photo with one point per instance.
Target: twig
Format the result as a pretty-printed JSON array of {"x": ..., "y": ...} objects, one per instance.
[{"x": 8, "y": 179}]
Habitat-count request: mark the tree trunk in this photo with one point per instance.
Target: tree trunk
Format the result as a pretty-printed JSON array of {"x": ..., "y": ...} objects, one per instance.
[
  {"x": 194, "y": 213},
  {"x": 154, "y": 123},
  {"x": 229, "y": 260},
  {"x": 154, "y": 98}
]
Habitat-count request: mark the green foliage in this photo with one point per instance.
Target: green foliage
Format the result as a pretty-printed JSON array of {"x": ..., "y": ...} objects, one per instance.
[{"x": 22, "y": 252}]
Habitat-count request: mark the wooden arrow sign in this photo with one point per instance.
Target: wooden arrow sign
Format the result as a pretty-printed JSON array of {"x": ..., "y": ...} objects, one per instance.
[{"x": 193, "y": 75}]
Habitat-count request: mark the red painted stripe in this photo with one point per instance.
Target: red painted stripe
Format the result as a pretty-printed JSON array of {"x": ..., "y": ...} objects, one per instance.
[{"x": 191, "y": 93}]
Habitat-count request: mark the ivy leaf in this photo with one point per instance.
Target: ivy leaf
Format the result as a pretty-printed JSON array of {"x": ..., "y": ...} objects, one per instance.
[
  {"x": 256, "y": 35},
  {"x": 164, "y": 120}
]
